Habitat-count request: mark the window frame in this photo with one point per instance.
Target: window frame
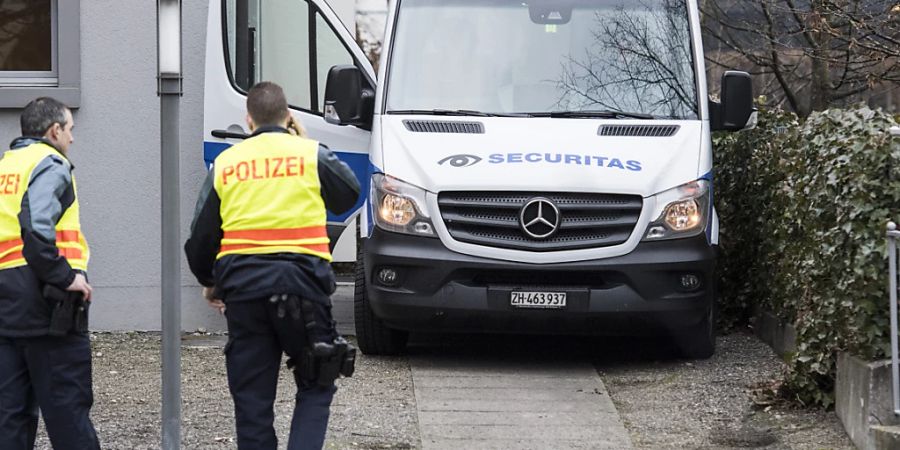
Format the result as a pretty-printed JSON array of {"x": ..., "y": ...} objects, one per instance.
[
  {"x": 314, "y": 11},
  {"x": 66, "y": 55}
]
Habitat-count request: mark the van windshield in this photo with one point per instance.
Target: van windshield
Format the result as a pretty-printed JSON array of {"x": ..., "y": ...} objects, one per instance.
[{"x": 543, "y": 56}]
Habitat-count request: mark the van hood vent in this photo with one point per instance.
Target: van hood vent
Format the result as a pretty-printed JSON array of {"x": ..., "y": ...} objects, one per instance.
[
  {"x": 434, "y": 126},
  {"x": 638, "y": 130}
]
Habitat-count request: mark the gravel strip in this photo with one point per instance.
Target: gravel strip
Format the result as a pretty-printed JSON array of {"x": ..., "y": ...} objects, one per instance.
[
  {"x": 373, "y": 410},
  {"x": 675, "y": 404}
]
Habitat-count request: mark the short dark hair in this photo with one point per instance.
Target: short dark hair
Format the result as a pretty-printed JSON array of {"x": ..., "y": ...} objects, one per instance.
[
  {"x": 39, "y": 115},
  {"x": 266, "y": 104}
]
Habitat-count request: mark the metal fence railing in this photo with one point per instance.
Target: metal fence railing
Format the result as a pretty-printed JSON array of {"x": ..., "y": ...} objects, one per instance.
[{"x": 892, "y": 236}]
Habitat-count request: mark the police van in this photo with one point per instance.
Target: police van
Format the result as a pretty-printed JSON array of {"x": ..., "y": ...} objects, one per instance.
[{"x": 532, "y": 166}]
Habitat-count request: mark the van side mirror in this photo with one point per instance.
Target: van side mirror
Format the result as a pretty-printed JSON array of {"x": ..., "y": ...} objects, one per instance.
[
  {"x": 348, "y": 98},
  {"x": 736, "y": 107}
]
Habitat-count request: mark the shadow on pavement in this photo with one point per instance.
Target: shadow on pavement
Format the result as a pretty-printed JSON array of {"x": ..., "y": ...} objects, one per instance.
[{"x": 602, "y": 351}]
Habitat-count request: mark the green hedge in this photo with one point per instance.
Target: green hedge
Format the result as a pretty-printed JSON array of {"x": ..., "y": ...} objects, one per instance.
[{"x": 803, "y": 208}]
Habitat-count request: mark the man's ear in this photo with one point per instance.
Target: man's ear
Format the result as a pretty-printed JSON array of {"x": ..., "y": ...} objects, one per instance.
[
  {"x": 250, "y": 124},
  {"x": 53, "y": 132}
]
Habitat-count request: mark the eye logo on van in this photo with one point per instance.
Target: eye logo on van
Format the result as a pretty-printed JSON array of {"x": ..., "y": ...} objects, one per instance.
[
  {"x": 460, "y": 160},
  {"x": 568, "y": 159}
]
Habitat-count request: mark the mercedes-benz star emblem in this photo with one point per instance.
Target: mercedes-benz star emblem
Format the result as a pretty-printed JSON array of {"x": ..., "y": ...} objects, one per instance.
[{"x": 539, "y": 218}]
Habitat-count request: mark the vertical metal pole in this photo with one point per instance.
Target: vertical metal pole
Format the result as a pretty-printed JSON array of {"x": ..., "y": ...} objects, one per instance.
[
  {"x": 170, "y": 90},
  {"x": 170, "y": 94},
  {"x": 892, "y": 285}
]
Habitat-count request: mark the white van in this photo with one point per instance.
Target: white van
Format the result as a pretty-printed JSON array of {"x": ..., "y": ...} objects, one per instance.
[{"x": 536, "y": 166}]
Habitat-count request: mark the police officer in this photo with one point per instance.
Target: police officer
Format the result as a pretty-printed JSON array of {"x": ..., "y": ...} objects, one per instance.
[
  {"x": 41, "y": 247},
  {"x": 258, "y": 244}
]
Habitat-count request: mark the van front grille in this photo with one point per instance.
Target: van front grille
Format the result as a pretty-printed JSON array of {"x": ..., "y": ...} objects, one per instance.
[{"x": 585, "y": 220}]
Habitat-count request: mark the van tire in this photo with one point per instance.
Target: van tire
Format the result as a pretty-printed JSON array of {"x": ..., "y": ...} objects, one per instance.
[
  {"x": 699, "y": 341},
  {"x": 372, "y": 335}
]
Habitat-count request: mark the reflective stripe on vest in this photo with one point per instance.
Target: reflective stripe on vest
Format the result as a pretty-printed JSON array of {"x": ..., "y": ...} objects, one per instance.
[
  {"x": 271, "y": 199},
  {"x": 16, "y": 169}
]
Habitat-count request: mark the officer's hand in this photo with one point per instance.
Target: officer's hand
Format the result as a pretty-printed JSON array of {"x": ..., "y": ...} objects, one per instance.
[
  {"x": 295, "y": 127},
  {"x": 80, "y": 284},
  {"x": 215, "y": 303}
]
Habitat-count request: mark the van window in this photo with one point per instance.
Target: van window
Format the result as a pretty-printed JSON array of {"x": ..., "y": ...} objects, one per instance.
[
  {"x": 269, "y": 40},
  {"x": 330, "y": 51},
  {"x": 541, "y": 56}
]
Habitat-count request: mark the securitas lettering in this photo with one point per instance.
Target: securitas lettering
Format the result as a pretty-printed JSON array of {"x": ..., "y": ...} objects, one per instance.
[
  {"x": 565, "y": 158},
  {"x": 9, "y": 183},
  {"x": 258, "y": 169}
]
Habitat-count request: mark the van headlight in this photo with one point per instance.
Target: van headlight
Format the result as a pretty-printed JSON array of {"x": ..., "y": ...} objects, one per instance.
[
  {"x": 399, "y": 206},
  {"x": 681, "y": 212}
]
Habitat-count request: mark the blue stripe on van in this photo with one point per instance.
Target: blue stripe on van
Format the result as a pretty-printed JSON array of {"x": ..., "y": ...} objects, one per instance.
[
  {"x": 358, "y": 162},
  {"x": 211, "y": 150}
]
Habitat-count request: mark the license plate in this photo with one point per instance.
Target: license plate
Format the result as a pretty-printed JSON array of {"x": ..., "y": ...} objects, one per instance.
[{"x": 548, "y": 300}]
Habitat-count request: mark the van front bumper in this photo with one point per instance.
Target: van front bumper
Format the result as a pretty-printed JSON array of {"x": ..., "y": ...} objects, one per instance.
[{"x": 440, "y": 290}]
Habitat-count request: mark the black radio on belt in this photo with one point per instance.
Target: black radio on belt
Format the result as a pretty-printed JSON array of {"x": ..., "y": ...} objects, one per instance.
[{"x": 70, "y": 311}]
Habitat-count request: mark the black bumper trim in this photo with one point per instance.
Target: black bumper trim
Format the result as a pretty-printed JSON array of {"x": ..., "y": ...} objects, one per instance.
[{"x": 637, "y": 293}]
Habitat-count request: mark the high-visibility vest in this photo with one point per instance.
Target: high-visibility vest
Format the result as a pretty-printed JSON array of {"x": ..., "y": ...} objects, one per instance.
[
  {"x": 271, "y": 199},
  {"x": 16, "y": 169}
]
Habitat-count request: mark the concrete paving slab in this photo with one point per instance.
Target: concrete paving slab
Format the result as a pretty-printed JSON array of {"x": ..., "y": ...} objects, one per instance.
[
  {"x": 496, "y": 368},
  {"x": 578, "y": 433},
  {"x": 512, "y": 418},
  {"x": 518, "y": 444},
  {"x": 509, "y": 405},
  {"x": 484, "y": 381},
  {"x": 513, "y": 403},
  {"x": 508, "y": 394}
]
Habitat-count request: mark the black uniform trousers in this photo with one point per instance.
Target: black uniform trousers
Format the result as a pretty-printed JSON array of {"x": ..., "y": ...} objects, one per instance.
[
  {"x": 53, "y": 375},
  {"x": 257, "y": 337}
]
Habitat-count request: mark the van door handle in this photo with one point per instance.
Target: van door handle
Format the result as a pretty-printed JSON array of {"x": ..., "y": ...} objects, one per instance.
[{"x": 225, "y": 134}]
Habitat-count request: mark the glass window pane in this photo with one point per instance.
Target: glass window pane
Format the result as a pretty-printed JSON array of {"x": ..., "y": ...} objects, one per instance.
[
  {"x": 242, "y": 25},
  {"x": 26, "y": 35},
  {"x": 230, "y": 30},
  {"x": 269, "y": 41},
  {"x": 284, "y": 48},
  {"x": 510, "y": 56},
  {"x": 330, "y": 51}
]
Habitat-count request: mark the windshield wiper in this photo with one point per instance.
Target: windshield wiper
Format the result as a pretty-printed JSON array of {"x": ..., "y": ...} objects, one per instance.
[
  {"x": 603, "y": 114},
  {"x": 453, "y": 112}
]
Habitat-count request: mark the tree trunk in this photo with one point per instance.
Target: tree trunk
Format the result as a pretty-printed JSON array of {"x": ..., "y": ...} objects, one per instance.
[{"x": 820, "y": 70}]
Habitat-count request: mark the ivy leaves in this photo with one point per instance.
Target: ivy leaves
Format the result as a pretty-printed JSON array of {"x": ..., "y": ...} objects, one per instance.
[{"x": 803, "y": 209}]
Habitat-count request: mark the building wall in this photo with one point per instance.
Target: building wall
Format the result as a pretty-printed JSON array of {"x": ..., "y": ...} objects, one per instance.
[{"x": 116, "y": 154}]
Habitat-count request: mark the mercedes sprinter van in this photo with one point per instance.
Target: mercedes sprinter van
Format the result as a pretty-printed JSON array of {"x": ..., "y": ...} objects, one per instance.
[{"x": 532, "y": 166}]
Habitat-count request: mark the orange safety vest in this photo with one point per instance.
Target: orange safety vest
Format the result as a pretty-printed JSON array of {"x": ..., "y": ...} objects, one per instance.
[
  {"x": 271, "y": 199},
  {"x": 16, "y": 169}
]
